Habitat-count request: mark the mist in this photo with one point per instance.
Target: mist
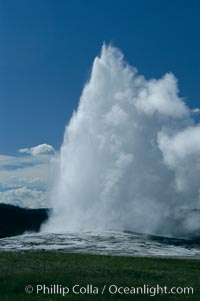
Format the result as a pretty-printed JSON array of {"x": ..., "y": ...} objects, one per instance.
[{"x": 130, "y": 155}]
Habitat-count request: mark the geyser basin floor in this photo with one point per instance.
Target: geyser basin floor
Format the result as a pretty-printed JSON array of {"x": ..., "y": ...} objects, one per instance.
[
  {"x": 18, "y": 269},
  {"x": 106, "y": 243}
]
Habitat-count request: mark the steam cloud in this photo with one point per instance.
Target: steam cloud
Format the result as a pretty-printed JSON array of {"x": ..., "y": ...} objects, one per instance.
[{"x": 130, "y": 155}]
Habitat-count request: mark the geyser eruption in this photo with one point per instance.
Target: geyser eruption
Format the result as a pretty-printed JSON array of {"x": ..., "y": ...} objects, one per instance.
[{"x": 130, "y": 156}]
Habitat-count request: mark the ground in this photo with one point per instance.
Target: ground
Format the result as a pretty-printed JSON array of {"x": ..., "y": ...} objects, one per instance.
[{"x": 19, "y": 269}]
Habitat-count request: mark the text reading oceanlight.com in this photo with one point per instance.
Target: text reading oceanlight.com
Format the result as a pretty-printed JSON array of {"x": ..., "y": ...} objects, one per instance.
[{"x": 112, "y": 289}]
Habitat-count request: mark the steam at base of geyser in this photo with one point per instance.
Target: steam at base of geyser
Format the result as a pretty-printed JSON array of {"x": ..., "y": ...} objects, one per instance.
[{"x": 130, "y": 156}]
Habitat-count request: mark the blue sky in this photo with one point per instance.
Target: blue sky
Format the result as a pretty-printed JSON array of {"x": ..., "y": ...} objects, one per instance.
[
  {"x": 47, "y": 48},
  {"x": 46, "y": 53}
]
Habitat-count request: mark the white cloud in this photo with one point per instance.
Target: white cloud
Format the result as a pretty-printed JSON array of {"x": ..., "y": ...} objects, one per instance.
[
  {"x": 196, "y": 110},
  {"x": 24, "y": 180},
  {"x": 24, "y": 197},
  {"x": 41, "y": 149}
]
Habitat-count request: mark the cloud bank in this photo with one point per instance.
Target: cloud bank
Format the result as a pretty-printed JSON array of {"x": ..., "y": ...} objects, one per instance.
[
  {"x": 24, "y": 197},
  {"x": 130, "y": 155},
  {"x": 25, "y": 179}
]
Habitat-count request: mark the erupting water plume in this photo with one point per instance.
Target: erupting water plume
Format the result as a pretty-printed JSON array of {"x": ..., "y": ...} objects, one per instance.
[{"x": 130, "y": 156}]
